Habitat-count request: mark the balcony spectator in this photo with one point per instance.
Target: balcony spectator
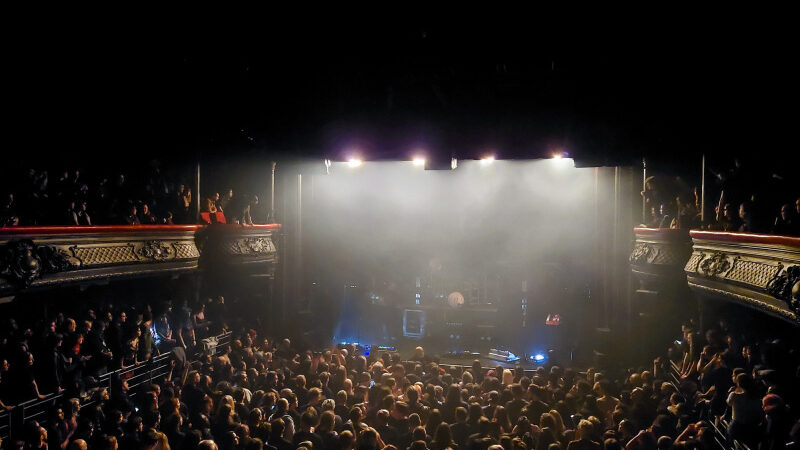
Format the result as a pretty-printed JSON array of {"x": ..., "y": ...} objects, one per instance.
[
  {"x": 146, "y": 217},
  {"x": 258, "y": 212},
  {"x": 71, "y": 214},
  {"x": 82, "y": 215},
  {"x": 748, "y": 221},
  {"x": 655, "y": 218},
  {"x": 666, "y": 216},
  {"x": 217, "y": 200},
  {"x": 168, "y": 219},
  {"x": 132, "y": 218},
  {"x": 63, "y": 186},
  {"x": 179, "y": 203},
  {"x": 727, "y": 220},
  {"x": 224, "y": 202},
  {"x": 786, "y": 222},
  {"x": 245, "y": 217},
  {"x": 186, "y": 205},
  {"x": 209, "y": 206},
  {"x": 688, "y": 213},
  {"x": 8, "y": 210}
]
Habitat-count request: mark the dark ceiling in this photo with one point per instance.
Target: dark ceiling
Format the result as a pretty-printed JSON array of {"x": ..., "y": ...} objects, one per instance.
[{"x": 604, "y": 93}]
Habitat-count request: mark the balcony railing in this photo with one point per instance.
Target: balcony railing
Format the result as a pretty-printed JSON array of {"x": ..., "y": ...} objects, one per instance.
[
  {"x": 659, "y": 254},
  {"x": 757, "y": 270},
  {"x": 41, "y": 257}
]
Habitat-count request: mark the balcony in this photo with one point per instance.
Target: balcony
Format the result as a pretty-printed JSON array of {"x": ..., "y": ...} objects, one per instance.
[
  {"x": 659, "y": 255},
  {"x": 760, "y": 271},
  {"x": 42, "y": 257}
]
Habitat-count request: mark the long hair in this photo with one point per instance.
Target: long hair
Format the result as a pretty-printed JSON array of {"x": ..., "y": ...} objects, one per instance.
[
  {"x": 327, "y": 421},
  {"x": 559, "y": 428},
  {"x": 434, "y": 419},
  {"x": 453, "y": 395},
  {"x": 224, "y": 414},
  {"x": 502, "y": 419},
  {"x": 443, "y": 438}
]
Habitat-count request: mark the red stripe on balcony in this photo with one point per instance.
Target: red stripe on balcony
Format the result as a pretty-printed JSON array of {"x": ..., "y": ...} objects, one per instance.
[
  {"x": 125, "y": 228},
  {"x": 746, "y": 238}
]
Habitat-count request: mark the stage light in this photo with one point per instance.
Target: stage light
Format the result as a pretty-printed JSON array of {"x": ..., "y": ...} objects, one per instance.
[
  {"x": 418, "y": 161},
  {"x": 538, "y": 357},
  {"x": 487, "y": 160},
  {"x": 354, "y": 162},
  {"x": 562, "y": 160}
]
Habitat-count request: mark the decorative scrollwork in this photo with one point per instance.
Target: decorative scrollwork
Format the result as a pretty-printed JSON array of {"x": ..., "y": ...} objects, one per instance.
[
  {"x": 786, "y": 287},
  {"x": 715, "y": 265},
  {"x": 22, "y": 262},
  {"x": 156, "y": 250},
  {"x": 641, "y": 251},
  {"x": 252, "y": 246},
  {"x": 56, "y": 260}
]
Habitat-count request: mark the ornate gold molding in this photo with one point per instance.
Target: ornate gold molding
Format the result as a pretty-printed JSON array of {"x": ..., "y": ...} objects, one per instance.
[
  {"x": 42, "y": 256},
  {"x": 641, "y": 250},
  {"x": 44, "y": 261},
  {"x": 250, "y": 246},
  {"x": 749, "y": 270},
  {"x": 133, "y": 252},
  {"x": 663, "y": 254},
  {"x": 714, "y": 265},
  {"x": 784, "y": 313}
]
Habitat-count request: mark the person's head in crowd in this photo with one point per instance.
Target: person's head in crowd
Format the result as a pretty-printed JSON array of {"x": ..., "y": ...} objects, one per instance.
[
  {"x": 664, "y": 443},
  {"x": 78, "y": 444},
  {"x": 443, "y": 436},
  {"x": 584, "y": 430},
  {"x": 786, "y": 212},
  {"x": 626, "y": 430},
  {"x": 744, "y": 382},
  {"x": 745, "y": 210},
  {"x": 461, "y": 414},
  {"x": 728, "y": 212},
  {"x": 207, "y": 444},
  {"x": 346, "y": 440}
]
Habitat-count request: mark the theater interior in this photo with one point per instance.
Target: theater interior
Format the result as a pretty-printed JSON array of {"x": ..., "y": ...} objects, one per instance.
[{"x": 398, "y": 237}]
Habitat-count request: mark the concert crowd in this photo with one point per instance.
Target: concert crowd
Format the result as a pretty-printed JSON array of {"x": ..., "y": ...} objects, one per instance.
[{"x": 266, "y": 392}]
